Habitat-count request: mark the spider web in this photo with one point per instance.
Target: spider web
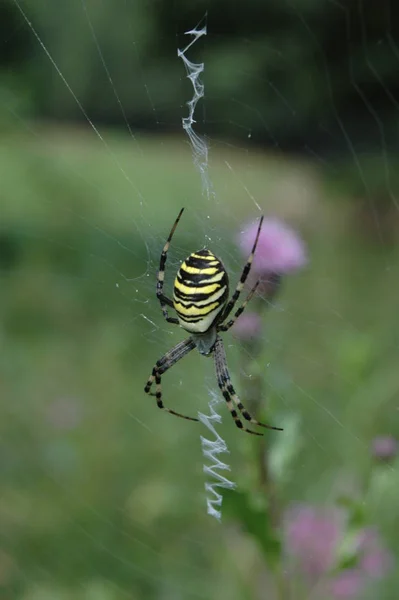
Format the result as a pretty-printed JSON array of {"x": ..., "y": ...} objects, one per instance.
[{"x": 104, "y": 494}]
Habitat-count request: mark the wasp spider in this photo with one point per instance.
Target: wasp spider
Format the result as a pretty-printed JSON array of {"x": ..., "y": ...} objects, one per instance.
[{"x": 200, "y": 296}]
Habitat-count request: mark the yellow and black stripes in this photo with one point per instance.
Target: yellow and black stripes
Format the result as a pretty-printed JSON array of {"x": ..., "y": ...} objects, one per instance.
[
  {"x": 200, "y": 299},
  {"x": 200, "y": 291}
]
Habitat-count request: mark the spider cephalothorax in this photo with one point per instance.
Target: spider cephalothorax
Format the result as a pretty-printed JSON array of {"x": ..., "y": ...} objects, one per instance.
[{"x": 200, "y": 295}]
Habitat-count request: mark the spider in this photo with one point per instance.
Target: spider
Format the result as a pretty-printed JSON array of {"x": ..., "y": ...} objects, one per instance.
[{"x": 200, "y": 299}]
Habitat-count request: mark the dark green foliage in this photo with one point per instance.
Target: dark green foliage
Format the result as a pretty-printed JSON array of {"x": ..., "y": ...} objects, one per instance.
[{"x": 306, "y": 75}]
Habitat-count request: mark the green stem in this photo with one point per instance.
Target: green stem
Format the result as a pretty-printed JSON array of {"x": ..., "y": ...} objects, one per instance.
[{"x": 254, "y": 397}]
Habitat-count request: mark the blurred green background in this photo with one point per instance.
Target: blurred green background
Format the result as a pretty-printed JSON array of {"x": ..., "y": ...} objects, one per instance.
[{"x": 102, "y": 495}]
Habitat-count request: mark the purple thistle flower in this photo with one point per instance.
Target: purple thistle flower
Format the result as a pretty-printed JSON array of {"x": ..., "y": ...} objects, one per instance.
[
  {"x": 375, "y": 560},
  {"x": 248, "y": 326},
  {"x": 311, "y": 539},
  {"x": 347, "y": 585},
  {"x": 280, "y": 250},
  {"x": 384, "y": 447}
]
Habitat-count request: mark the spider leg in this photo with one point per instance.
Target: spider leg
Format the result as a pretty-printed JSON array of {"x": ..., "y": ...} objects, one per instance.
[
  {"x": 229, "y": 392},
  {"x": 239, "y": 312},
  {"x": 243, "y": 278},
  {"x": 220, "y": 364},
  {"x": 164, "y": 300},
  {"x": 161, "y": 366},
  {"x": 243, "y": 410}
]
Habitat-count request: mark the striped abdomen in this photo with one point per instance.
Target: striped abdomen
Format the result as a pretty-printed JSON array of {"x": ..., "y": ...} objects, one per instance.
[{"x": 200, "y": 291}]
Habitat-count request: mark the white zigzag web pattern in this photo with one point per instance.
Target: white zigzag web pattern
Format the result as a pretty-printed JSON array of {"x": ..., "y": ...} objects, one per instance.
[
  {"x": 199, "y": 146},
  {"x": 211, "y": 450}
]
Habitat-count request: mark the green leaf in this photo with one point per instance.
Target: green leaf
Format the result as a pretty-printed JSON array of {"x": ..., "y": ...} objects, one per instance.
[{"x": 255, "y": 521}]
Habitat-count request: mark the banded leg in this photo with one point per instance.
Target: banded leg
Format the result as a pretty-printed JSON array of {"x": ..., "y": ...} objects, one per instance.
[
  {"x": 239, "y": 312},
  {"x": 161, "y": 366},
  {"x": 229, "y": 392},
  {"x": 243, "y": 278},
  {"x": 220, "y": 358},
  {"x": 164, "y": 300}
]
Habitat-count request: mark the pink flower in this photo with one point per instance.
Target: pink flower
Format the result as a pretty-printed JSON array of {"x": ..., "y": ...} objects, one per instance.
[
  {"x": 279, "y": 250},
  {"x": 347, "y": 585},
  {"x": 248, "y": 326},
  {"x": 312, "y": 536},
  {"x": 384, "y": 447},
  {"x": 375, "y": 560},
  {"x": 312, "y": 540}
]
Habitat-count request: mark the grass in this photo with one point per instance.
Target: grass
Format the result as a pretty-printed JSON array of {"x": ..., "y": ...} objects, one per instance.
[{"x": 102, "y": 494}]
